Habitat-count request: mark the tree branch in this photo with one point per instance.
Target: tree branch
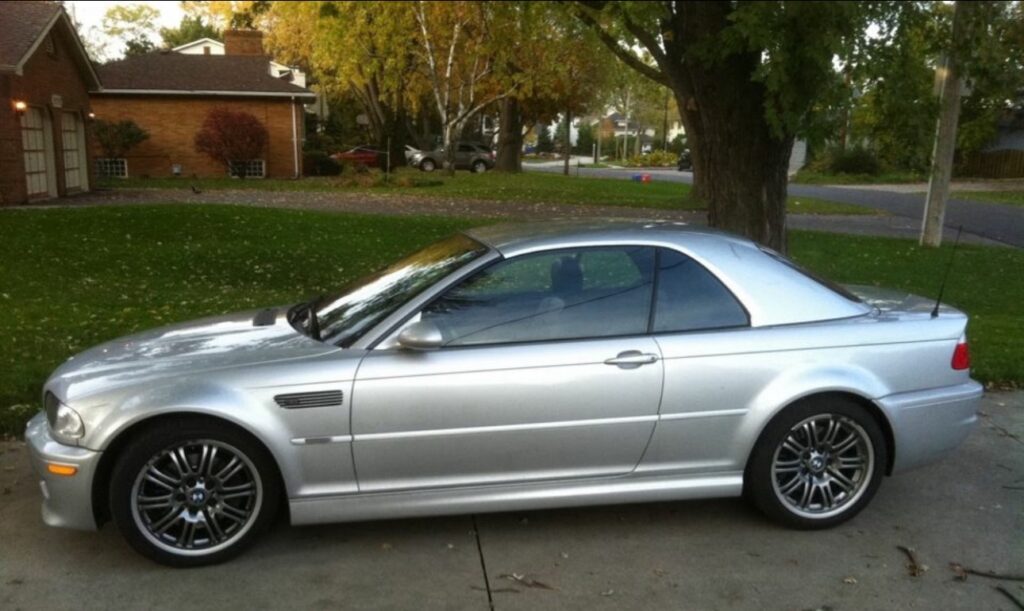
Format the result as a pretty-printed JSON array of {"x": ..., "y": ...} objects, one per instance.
[{"x": 631, "y": 60}]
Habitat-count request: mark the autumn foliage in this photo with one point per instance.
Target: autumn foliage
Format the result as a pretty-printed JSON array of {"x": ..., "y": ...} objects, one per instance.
[{"x": 231, "y": 136}]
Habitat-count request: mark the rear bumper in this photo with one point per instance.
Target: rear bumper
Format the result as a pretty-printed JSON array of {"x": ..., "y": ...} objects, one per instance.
[
  {"x": 67, "y": 500},
  {"x": 929, "y": 424}
]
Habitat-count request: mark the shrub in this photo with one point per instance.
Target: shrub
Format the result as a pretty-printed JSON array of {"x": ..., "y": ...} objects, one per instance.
[
  {"x": 319, "y": 163},
  {"x": 116, "y": 139},
  {"x": 853, "y": 160},
  {"x": 659, "y": 159},
  {"x": 231, "y": 136}
]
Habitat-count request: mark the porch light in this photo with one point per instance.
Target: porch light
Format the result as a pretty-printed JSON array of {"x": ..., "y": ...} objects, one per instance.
[
  {"x": 92, "y": 116},
  {"x": 20, "y": 106}
]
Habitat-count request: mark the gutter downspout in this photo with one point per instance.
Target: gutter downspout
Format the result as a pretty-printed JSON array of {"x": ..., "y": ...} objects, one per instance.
[{"x": 295, "y": 140}]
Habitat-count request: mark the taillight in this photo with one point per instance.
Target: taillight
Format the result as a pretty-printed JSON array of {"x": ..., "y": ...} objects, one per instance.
[{"x": 961, "y": 355}]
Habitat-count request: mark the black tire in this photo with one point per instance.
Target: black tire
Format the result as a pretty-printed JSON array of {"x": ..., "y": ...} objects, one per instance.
[
  {"x": 824, "y": 464},
  {"x": 479, "y": 167},
  {"x": 428, "y": 165},
  {"x": 209, "y": 517}
]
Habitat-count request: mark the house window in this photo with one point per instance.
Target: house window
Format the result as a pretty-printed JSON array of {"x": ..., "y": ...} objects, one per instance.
[
  {"x": 112, "y": 168},
  {"x": 253, "y": 168},
  {"x": 48, "y": 43}
]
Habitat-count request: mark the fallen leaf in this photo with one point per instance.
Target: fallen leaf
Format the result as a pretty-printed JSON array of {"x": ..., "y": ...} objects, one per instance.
[
  {"x": 607, "y": 592},
  {"x": 850, "y": 580},
  {"x": 526, "y": 581}
]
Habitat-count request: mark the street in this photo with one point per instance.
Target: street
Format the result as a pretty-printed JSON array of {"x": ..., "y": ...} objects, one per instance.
[
  {"x": 998, "y": 222},
  {"x": 721, "y": 554}
]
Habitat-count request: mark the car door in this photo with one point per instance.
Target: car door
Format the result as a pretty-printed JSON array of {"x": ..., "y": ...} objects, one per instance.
[
  {"x": 712, "y": 369},
  {"x": 547, "y": 372}
]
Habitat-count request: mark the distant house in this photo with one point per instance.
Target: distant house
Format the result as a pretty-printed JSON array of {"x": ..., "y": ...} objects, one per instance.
[
  {"x": 251, "y": 43},
  {"x": 45, "y": 76},
  {"x": 169, "y": 94}
]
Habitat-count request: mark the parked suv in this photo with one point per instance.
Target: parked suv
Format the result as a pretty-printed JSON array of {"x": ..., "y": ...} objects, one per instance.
[{"x": 468, "y": 156}]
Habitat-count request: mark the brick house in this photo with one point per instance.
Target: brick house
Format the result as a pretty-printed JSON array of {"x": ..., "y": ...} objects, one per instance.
[
  {"x": 169, "y": 95},
  {"x": 45, "y": 77}
]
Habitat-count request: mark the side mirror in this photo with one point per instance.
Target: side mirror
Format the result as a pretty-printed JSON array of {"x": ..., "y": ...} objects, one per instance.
[{"x": 421, "y": 335}]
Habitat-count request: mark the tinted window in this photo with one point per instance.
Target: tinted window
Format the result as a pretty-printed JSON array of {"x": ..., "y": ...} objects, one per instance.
[
  {"x": 692, "y": 298},
  {"x": 566, "y": 294},
  {"x": 466, "y": 148}
]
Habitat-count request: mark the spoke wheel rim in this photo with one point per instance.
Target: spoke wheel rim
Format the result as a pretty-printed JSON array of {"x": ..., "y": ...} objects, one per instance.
[
  {"x": 196, "y": 497},
  {"x": 823, "y": 466}
]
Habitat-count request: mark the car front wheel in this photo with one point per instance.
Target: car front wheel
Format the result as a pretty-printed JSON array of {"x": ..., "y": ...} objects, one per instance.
[
  {"x": 193, "y": 493},
  {"x": 817, "y": 464},
  {"x": 428, "y": 165}
]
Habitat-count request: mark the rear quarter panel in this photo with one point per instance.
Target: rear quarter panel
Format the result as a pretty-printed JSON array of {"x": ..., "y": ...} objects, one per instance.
[{"x": 723, "y": 387}]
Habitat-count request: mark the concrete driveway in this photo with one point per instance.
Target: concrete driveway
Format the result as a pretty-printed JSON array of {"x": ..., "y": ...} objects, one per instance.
[{"x": 689, "y": 555}]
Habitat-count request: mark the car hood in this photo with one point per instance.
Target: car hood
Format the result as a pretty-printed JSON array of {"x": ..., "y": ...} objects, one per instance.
[{"x": 221, "y": 342}]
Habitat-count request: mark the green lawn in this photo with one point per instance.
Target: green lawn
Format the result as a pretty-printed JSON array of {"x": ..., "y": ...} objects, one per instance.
[
  {"x": 71, "y": 278},
  {"x": 1015, "y": 198},
  {"x": 530, "y": 187}
]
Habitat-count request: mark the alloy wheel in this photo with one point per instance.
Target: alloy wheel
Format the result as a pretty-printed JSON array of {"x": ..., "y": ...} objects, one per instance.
[
  {"x": 822, "y": 466},
  {"x": 196, "y": 497}
]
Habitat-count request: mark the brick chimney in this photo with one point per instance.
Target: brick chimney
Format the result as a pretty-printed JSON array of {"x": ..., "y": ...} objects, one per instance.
[{"x": 243, "y": 42}]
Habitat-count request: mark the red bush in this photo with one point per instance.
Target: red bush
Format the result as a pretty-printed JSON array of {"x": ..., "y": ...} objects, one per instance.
[{"x": 230, "y": 136}]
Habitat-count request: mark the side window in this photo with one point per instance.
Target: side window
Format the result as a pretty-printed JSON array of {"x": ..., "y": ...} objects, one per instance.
[
  {"x": 691, "y": 298},
  {"x": 466, "y": 148},
  {"x": 565, "y": 294}
]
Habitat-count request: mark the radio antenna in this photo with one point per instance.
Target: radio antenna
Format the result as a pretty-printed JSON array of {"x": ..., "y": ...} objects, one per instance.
[{"x": 949, "y": 266}]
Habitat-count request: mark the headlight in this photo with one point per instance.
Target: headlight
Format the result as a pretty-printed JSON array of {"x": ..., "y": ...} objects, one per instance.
[{"x": 65, "y": 423}]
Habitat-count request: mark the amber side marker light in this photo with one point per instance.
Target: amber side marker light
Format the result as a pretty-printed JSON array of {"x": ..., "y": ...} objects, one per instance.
[{"x": 66, "y": 470}]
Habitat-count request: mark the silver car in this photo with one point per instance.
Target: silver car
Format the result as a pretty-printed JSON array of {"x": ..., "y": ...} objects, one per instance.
[{"x": 507, "y": 368}]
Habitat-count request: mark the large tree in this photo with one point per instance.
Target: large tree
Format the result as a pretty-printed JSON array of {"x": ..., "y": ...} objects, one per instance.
[
  {"x": 458, "y": 59},
  {"x": 745, "y": 76},
  {"x": 191, "y": 27},
  {"x": 363, "y": 49}
]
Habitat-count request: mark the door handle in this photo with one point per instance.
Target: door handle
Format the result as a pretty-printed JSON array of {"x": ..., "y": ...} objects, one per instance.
[{"x": 631, "y": 359}]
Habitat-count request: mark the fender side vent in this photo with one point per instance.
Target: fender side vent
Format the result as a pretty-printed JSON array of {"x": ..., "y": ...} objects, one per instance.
[{"x": 301, "y": 400}]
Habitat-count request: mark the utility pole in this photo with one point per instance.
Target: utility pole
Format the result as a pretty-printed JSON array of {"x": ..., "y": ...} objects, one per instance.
[{"x": 945, "y": 133}]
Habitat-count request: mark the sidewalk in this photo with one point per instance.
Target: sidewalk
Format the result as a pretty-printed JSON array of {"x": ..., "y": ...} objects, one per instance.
[
  {"x": 394, "y": 204},
  {"x": 1009, "y": 184}
]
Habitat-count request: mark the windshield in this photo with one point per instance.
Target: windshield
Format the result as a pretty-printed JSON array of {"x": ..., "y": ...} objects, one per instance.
[{"x": 345, "y": 316}]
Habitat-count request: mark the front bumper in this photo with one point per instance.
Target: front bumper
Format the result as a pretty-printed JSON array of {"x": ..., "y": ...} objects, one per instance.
[
  {"x": 67, "y": 500},
  {"x": 929, "y": 424}
]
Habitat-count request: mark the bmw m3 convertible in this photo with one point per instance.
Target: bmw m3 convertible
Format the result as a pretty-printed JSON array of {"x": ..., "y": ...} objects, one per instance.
[{"x": 507, "y": 368}]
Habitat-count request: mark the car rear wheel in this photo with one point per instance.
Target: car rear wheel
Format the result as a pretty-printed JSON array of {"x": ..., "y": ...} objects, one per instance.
[
  {"x": 193, "y": 493},
  {"x": 479, "y": 167},
  {"x": 428, "y": 165},
  {"x": 817, "y": 464}
]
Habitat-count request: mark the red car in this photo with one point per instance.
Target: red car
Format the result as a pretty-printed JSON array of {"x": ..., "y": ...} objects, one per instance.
[{"x": 360, "y": 155}]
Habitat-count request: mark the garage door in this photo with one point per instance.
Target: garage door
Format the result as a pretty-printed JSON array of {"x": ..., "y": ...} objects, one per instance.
[
  {"x": 74, "y": 153},
  {"x": 34, "y": 143}
]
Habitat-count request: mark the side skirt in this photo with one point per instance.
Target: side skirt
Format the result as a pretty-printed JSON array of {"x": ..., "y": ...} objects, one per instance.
[{"x": 483, "y": 499}]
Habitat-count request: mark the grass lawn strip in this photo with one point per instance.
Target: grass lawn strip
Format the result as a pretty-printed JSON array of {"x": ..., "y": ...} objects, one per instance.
[{"x": 532, "y": 187}]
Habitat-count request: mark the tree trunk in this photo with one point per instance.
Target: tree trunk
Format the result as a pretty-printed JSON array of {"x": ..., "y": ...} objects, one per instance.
[
  {"x": 450, "y": 144},
  {"x": 567, "y": 142},
  {"x": 510, "y": 137},
  {"x": 740, "y": 163}
]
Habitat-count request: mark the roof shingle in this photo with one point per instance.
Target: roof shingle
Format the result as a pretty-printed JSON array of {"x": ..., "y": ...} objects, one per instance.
[
  {"x": 177, "y": 72},
  {"x": 21, "y": 23}
]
